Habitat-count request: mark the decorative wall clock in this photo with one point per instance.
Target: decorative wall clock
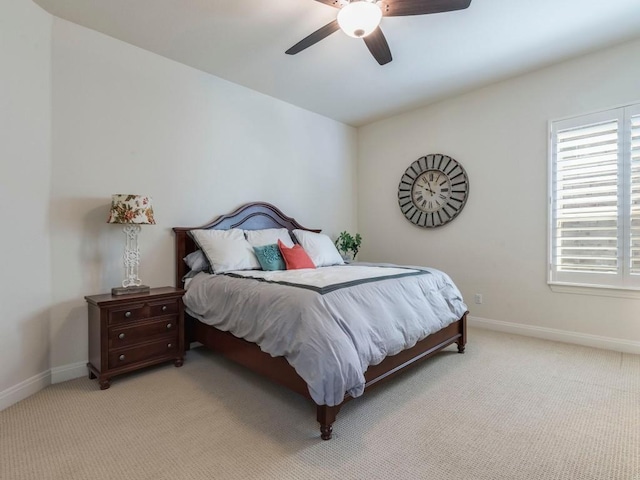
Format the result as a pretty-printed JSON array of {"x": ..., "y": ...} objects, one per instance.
[{"x": 433, "y": 190}]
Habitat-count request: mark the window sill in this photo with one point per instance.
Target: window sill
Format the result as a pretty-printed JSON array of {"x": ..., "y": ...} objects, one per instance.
[{"x": 597, "y": 290}]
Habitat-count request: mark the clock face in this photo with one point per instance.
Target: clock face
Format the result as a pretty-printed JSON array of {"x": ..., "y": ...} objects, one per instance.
[
  {"x": 430, "y": 190},
  {"x": 433, "y": 190}
]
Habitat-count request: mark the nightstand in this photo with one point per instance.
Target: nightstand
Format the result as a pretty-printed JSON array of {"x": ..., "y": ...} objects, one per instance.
[{"x": 129, "y": 332}]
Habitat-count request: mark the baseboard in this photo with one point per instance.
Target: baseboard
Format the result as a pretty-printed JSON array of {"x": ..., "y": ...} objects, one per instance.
[
  {"x": 68, "y": 372},
  {"x": 36, "y": 383},
  {"x": 607, "y": 343},
  {"x": 24, "y": 389}
]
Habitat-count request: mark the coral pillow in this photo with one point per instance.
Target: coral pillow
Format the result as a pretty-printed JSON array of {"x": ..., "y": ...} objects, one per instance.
[{"x": 295, "y": 257}]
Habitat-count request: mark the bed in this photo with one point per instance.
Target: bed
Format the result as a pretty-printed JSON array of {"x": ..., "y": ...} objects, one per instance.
[{"x": 259, "y": 216}]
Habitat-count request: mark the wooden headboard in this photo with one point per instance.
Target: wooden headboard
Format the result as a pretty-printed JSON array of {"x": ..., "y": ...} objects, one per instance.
[{"x": 251, "y": 216}]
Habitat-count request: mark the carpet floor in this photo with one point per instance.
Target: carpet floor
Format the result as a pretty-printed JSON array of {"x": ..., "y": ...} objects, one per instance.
[{"x": 511, "y": 408}]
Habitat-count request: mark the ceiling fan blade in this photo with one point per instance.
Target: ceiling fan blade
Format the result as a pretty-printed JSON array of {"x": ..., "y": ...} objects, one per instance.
[
  {"x": 331, "y": 3},
  {"x": 314, "y": 38},
  {"x": 400, "y": 8},
  {"x": 378, "y": 46}
]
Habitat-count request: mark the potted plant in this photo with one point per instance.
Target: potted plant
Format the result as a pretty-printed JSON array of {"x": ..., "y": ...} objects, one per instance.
[{"x": 348, "y": 245}]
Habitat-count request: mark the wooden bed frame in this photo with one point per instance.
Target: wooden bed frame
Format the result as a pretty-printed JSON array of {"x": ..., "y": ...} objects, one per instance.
[{"x": 259, "y": 215}]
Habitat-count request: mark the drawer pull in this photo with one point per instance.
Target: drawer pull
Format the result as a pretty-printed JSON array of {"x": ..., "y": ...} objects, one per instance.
[
  {"x": 127, "y": 314},
  {"x": 164, "y": 308},
  {"x": 121, "y": 336},
  {"x": 121, "y": 357},
  {"x": 169, "y": 345},
  {"x": 169, "y": 325}
]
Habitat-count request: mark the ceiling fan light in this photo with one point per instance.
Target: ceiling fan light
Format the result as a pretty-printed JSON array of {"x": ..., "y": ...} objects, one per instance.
[{"x": 359, "y": 19}]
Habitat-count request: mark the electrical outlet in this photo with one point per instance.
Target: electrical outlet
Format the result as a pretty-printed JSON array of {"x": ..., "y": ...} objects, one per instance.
[{"x": 477, "y": 298}]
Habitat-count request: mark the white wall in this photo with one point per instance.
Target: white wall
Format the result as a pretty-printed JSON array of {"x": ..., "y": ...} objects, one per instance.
[
  {"x": 25, "y": 167},
  {"x": 498, "y": 244},
  {"x": 129, "y": 121}
]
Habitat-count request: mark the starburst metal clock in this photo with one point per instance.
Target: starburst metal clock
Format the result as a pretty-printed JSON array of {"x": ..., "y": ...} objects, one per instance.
[{"x": 433, "y": 190}]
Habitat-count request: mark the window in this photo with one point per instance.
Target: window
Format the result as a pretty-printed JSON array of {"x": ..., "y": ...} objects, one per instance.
[{"x": 595, "y": 199}]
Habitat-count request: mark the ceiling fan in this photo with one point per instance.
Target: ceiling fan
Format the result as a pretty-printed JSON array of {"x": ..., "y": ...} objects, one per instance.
[{"x": 361, "y": 19}]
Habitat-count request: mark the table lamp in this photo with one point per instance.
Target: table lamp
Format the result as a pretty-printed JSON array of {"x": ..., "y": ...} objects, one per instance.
[{"x": 131, "y": 211}]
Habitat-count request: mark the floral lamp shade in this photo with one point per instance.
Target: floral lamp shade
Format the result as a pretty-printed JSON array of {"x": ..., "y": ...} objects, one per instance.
[{"x": 135, "y": 209}]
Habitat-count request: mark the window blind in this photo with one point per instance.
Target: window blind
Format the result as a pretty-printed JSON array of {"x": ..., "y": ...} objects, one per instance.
[
  {"x": 595, "y": 199},
  {"x": 586, "y": 191},
  {"x": 634, "y": 154}
]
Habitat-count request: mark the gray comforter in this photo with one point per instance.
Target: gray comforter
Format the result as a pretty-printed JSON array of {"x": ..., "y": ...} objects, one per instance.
[{"x": 328, "y": 328}]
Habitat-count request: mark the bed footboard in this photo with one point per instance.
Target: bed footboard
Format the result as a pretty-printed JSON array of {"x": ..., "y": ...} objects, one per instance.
[
  {"x": 391, "y": 366},
  {"x": 278, "y": 369}
]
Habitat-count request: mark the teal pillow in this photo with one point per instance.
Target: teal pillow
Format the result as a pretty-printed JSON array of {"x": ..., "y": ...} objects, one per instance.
[{"x": 269, "y": 257}]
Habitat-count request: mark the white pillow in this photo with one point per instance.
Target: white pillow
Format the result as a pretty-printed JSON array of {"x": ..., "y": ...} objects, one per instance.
[
  {"x": 268, "y": 236},
  {"x": 319, "y": 247},
  {"x": 226, "y": 250}
]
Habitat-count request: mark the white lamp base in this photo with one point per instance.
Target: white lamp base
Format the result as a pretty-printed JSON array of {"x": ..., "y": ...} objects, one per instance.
[
  {"x": 129, "y": 290},
  {"x": 131, "y": 284}
]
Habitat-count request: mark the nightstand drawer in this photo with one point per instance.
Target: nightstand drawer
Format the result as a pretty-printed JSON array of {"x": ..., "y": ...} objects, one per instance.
[
  {"x": 164, "y": 348},
  {"x": 166, "y": 307},
  {"x": 124, "y": 335},
  {"x": 128, "y": 313}
]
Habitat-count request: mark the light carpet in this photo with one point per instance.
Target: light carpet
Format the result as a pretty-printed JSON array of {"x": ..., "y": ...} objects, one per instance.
[{"x": 511, "y": 407}]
